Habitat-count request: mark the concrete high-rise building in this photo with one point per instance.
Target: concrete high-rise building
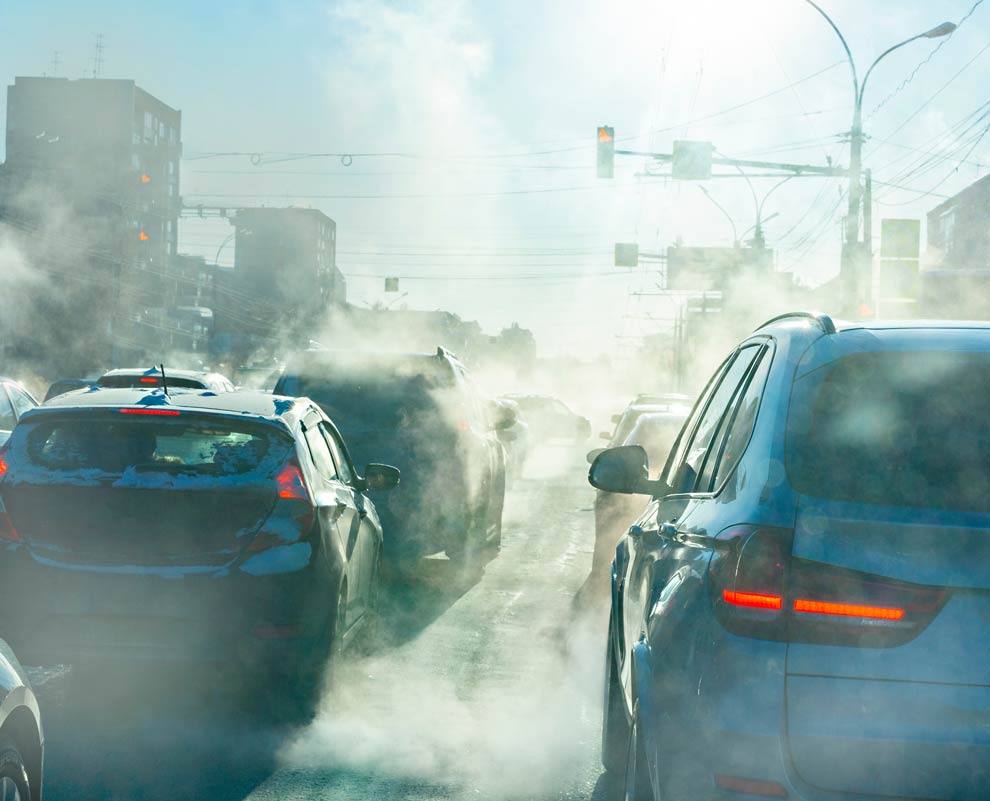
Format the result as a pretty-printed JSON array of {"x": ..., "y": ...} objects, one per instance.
[
  {"x": 285, "y": 271},
  {"x": 91, "y": 179}
]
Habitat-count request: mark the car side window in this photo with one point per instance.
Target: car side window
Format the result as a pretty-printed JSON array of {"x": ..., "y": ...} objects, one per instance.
[
  {"x": 339, "y": 455},
  {"x": 744, "y": 420},
  {"x": 676, "y": 457},
  {"x": 7, "y": 419},
  {"x": 22, "y": 401},
  {"x": 697, "y": 448},
  {"x": 320, "y": 452}
]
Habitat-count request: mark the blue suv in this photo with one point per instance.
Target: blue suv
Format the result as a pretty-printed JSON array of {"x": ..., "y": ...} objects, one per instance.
[{"x": 803, "y": 609}]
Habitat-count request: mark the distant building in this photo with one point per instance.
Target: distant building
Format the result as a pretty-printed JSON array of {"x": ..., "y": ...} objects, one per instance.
[
  {"x": 92, "y": 177},
  {"x": 955, "y": 282},
  {"x": 285, "y": 272}
]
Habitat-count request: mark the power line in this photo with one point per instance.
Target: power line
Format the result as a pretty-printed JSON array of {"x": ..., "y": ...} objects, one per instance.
[{"x": 924, "y": 61}]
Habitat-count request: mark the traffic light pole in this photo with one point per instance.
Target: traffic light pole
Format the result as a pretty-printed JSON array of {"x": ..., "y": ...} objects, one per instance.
[{"x": 785, "y": 169}]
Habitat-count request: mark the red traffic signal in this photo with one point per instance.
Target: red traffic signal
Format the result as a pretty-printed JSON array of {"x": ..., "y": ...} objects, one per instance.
[{"x": 606, "y": 151}]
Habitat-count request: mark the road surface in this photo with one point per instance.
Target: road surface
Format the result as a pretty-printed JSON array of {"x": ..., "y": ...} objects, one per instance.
[{"x": 486, "y": 689}]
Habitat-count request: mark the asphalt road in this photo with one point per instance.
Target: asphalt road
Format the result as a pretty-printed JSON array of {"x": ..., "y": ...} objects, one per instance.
[{"x": 484, "y": 689}]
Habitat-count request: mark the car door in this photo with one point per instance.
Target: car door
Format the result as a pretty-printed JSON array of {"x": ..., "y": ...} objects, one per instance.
[
  {"x": 335, "y": 506},
  {"x": 660, "y": 565},
  {"x": 364, "y": 533}
]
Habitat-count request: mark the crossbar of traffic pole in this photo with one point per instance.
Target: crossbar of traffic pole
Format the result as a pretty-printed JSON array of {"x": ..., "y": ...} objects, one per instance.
[{"x": 797, "y": 169}]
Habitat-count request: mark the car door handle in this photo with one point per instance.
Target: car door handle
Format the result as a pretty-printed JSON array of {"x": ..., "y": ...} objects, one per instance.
[{"x": 337, "y": 511}]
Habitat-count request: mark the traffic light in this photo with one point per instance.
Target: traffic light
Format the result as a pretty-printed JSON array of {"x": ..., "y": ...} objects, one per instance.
[
  {"x": 145, "y": 178},
  {"x": 606, "y": 151}
]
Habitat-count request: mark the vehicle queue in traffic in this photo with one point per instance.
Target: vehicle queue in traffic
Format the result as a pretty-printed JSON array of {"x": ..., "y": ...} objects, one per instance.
[{"x": 793, "y": 563}]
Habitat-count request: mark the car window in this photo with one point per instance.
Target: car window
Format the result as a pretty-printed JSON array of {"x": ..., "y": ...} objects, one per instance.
[
  {"x": 736, "y": 427},
  {"x": 696, "y": 450},
  {"x": 676, "y": 457},
  {"x": 22, "y": 401},
  {"x": 320, "y": 453},
  {"x": 339, "y": 454},
  {"x": 7, "y": 418}
]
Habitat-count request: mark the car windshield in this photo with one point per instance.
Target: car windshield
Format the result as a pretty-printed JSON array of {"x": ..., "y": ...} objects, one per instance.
[{"x": 894, "y": 429}]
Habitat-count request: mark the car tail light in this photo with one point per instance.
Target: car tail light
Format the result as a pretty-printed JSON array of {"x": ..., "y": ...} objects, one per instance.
[
  {"x": 148, "y": 379},
  {"x": 3, "y": 468},
  {"x": 293, "y": 506},
  {"x": 759, "y": 590},
  {"x": 154, "y": 412},
  {"x": 760, "y": 787}
]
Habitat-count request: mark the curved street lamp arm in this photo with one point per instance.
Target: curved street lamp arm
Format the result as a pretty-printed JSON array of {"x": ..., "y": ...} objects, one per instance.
[
  {"x": 852, "y": 64},
  {"x": 774, "y": 188},
  {"x": 716, "y": 204},
  {"x": 945, "y": 29}
]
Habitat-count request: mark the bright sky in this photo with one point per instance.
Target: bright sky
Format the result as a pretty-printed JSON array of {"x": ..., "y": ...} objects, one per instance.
[{"x": 478, "y": 188}]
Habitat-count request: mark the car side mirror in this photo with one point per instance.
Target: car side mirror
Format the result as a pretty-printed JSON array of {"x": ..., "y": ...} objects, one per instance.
[
  {"x": 625, "y": 469},
  {"x": 380, "y": 477},
  {"x": 593, "y": 454},
  {"x": 503, "y": 416}
]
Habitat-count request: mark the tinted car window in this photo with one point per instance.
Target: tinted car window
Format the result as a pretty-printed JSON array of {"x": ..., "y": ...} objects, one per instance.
[
  {"x": 900, "y": 429},
  {"x": 200, "y": 448},
  {"x": 7, "y": 418},
  {"x": 22, "y": 401},
  {"x": 697, "y": 448},
  {"x": 739, "y": 427},
  {"x": 337, "y": 452},
  {"x": 321, "y": 454}
]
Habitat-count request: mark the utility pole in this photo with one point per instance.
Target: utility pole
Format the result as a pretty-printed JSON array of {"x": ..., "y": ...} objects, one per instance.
[
  {"x": 852, "y": 251},
  {"x": 56, "y": 60},
  {"x": 98, "y": 56}
]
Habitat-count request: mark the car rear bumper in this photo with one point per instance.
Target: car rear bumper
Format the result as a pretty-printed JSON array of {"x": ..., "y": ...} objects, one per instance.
[
  {"x": 67, "y": 614},
  {"x": 745, "y": 726}
]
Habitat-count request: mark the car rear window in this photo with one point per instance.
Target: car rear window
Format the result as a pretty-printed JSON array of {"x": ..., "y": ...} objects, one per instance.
[
  {"x": 894, "y": 428},
  {"x": 136, "y": 445},
  {"x": 149, "y": 382}
]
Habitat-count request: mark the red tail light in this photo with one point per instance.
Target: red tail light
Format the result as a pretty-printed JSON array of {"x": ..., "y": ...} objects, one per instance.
[
  {"x": 759, "y": 590},
  {"x": 752, "y": 600},
  {"x": 3, "y": 468},
  {"x": 294, "y": 504},
  {"x": 291, "y": 485},
  {"x": 155, "y": 412},
  {"x": 148, "y": 379}
]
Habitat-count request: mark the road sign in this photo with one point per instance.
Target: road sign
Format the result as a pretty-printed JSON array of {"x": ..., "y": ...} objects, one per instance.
[
  {"x": 626, "y": 254},
  {"x": 391, "y": 284},
  {"x": 692, "y": 161}
]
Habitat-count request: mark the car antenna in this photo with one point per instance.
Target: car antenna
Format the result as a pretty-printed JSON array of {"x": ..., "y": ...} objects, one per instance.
[{"x": 161, "y": 367}]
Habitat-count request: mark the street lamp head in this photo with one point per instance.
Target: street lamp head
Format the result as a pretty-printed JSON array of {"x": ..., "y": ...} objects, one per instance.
[{"x": 942, "y": 30}]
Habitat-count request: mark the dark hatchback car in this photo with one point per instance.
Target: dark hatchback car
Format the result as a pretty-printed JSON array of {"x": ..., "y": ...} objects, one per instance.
[
  {"x": 229, "y": 528},
  {"x": 801, "y": 610},
  {"x": 422, "y": 413}
]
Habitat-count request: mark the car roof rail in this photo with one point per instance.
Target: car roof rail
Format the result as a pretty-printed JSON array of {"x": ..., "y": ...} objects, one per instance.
[{"x": 824, "y": 321}]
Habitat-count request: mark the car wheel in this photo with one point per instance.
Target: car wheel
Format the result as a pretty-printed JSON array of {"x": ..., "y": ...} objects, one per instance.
[
  {"x": 637, "y": 776},
  {"x": 14, "y": 784},
  {"x": 615, "y": 720}
]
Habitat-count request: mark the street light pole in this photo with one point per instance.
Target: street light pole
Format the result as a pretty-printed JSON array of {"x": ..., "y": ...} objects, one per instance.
[{"x": 852, "y": 249}]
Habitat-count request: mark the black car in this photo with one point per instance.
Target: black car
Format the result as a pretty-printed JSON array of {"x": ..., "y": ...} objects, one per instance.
[
  {"x": 422, "y": 413},
  {"x": 220, "y": 528},
  {"x": 550, "y": 419}
]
